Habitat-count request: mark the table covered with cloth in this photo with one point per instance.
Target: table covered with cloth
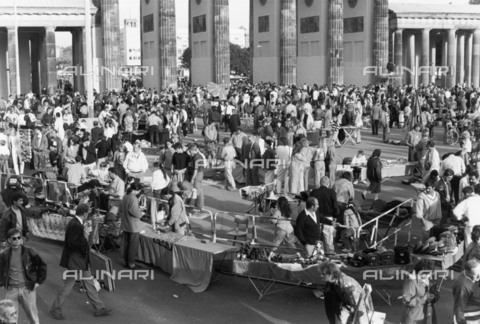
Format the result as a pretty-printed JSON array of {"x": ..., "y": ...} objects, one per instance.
[
  {"x": 156, "y": 248},
  {"x": 186, "y": 258},
  {"x": 193, "y": 262}
]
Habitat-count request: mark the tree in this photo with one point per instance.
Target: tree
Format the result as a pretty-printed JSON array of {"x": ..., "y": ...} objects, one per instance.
[
  {"x": 186, "y": 58},
  {"x": 239, "y": 59}
]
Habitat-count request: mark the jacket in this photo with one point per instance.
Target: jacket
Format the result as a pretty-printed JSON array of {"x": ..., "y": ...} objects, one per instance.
[
  {"x": 39, "y": 147},
  {"x": 75, "y": 255},
  {"x": 34, "y": 268},
  {"x": 9, "y": 221},
  {"x": 91, "y": 155},
  {"x": 306, "y": 230},
  {"x": 178, "y": 214},
  {"x": 130, "y": 214}
]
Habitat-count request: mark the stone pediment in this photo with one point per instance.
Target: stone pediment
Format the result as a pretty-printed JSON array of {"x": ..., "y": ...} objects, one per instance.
[{"x": 45, "y": 7}]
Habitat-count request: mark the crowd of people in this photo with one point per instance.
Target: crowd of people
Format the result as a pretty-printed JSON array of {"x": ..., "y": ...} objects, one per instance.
[{"x": 268, "y": 130}]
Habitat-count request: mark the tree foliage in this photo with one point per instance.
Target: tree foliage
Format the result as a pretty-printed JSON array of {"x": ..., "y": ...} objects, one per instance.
[{"x": 239, "y": 59}]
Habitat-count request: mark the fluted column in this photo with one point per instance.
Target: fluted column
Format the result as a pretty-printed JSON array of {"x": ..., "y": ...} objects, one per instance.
[
  {"x": 425, "y": 56},
  {"x": 288, "y": 42},
  {"x": 77, "y": 58},
  {"x": 335, "y": 41},
  {"x": 111, "y": 44},
  {"x": 252, "y": 44},
  {"x": 391, "y": 46},
  {"x": 380, "y": 37},
  {"x": 51, "y": 61},
  {"x": 34, "y": 58},
  {"x": 468, "y": 58},
  {"x": 461, "y": 58},
  {"x": 221, "y": 43},
  {"x": 411, "y": 55},
  {"x": 12, "y": 67},
  {"x": 476, "y": 59},
  {"x": 451, "y": 58},
  {"x": 398, "y": 57},
  {"x": 433, "y": 59},
  {"x": 167, "y": 44}
]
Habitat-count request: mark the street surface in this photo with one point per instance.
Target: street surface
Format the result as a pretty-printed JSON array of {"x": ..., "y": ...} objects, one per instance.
[{"x": 230, "y": 299}]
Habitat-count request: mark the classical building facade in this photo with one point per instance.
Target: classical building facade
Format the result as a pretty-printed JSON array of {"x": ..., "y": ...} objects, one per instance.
[
  {"x": 37, "y": 22},
  {"x": 330, "y": 41}
]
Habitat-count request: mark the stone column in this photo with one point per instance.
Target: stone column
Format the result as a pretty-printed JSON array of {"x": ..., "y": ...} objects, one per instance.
[
  {"x": 167, "y": 44},
  {"x": 425, "y": 56},
  {"x": 34, "y": 59},
  {"x": 468, "y": 58},
  {"x": 476, "y": 58},
  {"x": 251, "y": 29},
  {"x": 12, "y": 60},
  {"x": 433, "y": 59},
  {"x": 77, "y": 58},
  {"x": 411, "y": 56},
  {"x": 461, "y": 58},
  {"x": 111, "y": 45},
  {"x": 51, "y": 66},
  {"x": 391, "y": 47},
  {"x": 380, "y": 35},
  {"x": 451, "y": 58},
  {"x": 221, "y": 46},
  {"x": 335, "y": 41},
  {"x": 288, "y": 42},
  {"x": 398, "y": 57},
  {"x": 4, "y": 90}
]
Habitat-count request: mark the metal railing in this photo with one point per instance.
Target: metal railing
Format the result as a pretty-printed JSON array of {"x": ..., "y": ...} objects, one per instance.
[{"x": 375, "y": 223}]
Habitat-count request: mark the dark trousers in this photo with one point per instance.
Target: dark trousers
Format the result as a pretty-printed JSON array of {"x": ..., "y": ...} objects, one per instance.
[
  {"x": 154, "y": 133},
  {"x": 375, "y": 123},
  {"x": 341, "y": 219},
  {"x": 356, "y": 173},
  {"x": 455, "y": 182},
  {"x": 130, "y": 247}
]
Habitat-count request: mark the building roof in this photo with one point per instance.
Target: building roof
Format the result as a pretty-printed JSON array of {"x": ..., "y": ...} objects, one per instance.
[
  {"x": 419, "y": 9},
  {"x": 34, "y": 6}
]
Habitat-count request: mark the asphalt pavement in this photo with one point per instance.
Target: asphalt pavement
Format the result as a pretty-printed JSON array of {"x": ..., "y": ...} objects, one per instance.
[{"x": 230, "y": 299}]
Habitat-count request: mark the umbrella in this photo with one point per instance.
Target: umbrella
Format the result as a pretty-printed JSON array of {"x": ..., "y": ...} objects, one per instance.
[{"x": 216, "y": 90}]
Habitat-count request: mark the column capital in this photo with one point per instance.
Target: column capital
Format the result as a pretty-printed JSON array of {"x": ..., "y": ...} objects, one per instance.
[
  {"x": 426, "y": 29},
  {"x": 10, "y": 28},
  {"x": 400, "y": 30},
  {"x": 50, "y": 28}
]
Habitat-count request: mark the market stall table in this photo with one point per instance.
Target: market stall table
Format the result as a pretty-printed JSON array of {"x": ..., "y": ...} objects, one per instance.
[
  {"x": 186, "y": 258},
  {"x": 295, "y": 274},
  {"x": 193, "y": 262},
  {"x": 445, "y": 261}
]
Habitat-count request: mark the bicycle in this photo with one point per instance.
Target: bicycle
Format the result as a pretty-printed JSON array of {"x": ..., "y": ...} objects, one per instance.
[{"x": 451, "y": 137}]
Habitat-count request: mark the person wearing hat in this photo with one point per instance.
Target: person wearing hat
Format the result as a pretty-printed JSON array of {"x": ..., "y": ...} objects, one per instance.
[
  {"x": 136, "y": 163},
  {"x": 177, "y": 217},
  {"x": 129, "y": 213},
  {"x": 75, "y": 257}
]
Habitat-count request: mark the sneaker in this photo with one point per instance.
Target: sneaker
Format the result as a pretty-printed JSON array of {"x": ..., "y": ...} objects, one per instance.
[
  {"x": 103, "y": 312},
  {"x": 57, "y": 316},
  {"x": 363, "y": 196},
  {"x": 355, "y": 182}
]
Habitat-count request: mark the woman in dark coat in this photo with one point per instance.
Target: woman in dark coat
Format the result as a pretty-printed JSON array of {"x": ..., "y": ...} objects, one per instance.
[{"x": 374, "y": 174}]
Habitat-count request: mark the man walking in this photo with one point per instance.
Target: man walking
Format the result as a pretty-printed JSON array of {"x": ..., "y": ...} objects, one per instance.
[
  {"x": 75, "y": 256},
  {"x": 14, "y": 217},
  {"x": 306, "y": 229},
  {"x": 22, "y": 270}
]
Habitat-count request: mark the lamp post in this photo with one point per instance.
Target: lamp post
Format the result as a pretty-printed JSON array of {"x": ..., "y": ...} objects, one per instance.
[{"x": 88, "y": 59}]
